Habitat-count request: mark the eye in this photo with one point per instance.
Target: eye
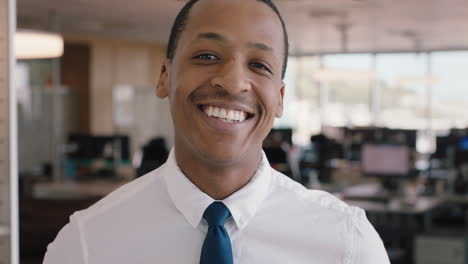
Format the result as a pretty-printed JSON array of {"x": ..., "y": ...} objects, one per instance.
[
  {"x": 260, "y": 66},
  {"x": 206, "y": 56}
]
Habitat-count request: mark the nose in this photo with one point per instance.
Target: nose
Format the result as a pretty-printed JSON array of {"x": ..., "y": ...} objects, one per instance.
[{"x": 232, "y": 76}]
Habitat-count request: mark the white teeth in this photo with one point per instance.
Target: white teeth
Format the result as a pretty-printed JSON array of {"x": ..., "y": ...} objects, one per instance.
[
  {"x": 242, "y": 116},
  {"x": 209, "y": 110},
  {"x": 222, "y": 113},
  {"x": 215, "y": 111},
  {"x": 230, "y": 115},
  {"x": 226, "y": 115}
]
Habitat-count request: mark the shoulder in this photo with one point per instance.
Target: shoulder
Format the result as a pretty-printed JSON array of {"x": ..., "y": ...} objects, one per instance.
[
  {"x": 113, "y": 211},
  {"x": 292, "y": 191},
  {"x": 361, "y": 243}
]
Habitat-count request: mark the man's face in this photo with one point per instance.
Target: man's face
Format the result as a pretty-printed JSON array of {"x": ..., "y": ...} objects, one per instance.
[{"x": 224, "y": 83}]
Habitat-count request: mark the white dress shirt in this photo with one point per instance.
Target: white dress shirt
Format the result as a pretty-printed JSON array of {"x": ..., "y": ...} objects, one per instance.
[{"x": 158, "y": 218}]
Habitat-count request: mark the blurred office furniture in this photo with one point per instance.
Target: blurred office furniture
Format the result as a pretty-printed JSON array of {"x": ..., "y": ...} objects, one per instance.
[
  {"x": 396, "y": 220},
  {"x": 430, "y": 226},
  {"x": 450, "y": 160},
  {"x": 154, "y": 154},
  {"x": 402, "y": 212},
  {"x": 452, "y": 215},
  {"x": 437, "y": 249},
  {"x": 91, "y": 156},
  {"x": 39, "y": 222},
  {"x": 392, "y": 203},
  {"x": 386, "y": 160},
  {"x": 276, "y": 147},
  {"x": 461, "y": 165},
  {"x": 316, "y": 159},
  {"x": 86, "y": 146},
  {"x": 330, "y": 155},
  {"x": 389, "y": 162},
  {"x": 75, "y": 190},
  {"x": 355, "y": 138},
  {"x": 445, "y": 150},
  {"x": 47, "y": 208}
]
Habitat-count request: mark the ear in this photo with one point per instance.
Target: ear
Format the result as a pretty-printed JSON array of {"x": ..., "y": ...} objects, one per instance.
[
  {"x": 279, "y": 110},
  {"x": 162, "y": 89}
]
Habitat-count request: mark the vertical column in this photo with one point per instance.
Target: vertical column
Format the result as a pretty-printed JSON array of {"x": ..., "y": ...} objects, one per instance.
[
  {"x": 429, "y": 92},
  {"x": 324, "y": 97},
  {"x": 375, "y": 96},
  {"x": 429, "y": 133},
  {"x": 4, "y": 135},
  {"x": 8, "y": 141},
  {"x": 57, "y": 121}
]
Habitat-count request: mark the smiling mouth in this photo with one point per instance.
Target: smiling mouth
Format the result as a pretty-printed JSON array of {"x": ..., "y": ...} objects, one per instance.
[{"x": 225, "y": 114}]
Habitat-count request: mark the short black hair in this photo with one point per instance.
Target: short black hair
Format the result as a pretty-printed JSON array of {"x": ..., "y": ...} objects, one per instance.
[{"x": 181, "y": 20}]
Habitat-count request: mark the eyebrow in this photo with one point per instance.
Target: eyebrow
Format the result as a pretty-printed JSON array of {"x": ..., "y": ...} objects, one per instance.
[
  {"x": 259, "y": 45},
  {"x": 211, "y": 35},
  {"x": 218, "y": 37}
]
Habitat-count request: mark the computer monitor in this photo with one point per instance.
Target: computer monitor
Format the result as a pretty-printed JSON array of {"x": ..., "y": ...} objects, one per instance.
[
  {"x": 123, "y": 142},
  {"x": 80, "y": 146},
  {"x": 88, "y": 147},
  {"x": 399, "y": 137},
  {"x": 463, "y": 144},
  {"x": 117, "y": 145},
  {"x": 442, "y": 146},
  {"x": 385, "y": 160},
  {"x": 461, "y": 152}
]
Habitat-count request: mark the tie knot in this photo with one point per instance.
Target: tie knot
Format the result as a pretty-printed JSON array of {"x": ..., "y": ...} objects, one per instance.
[{"x": 216, "y": 214}]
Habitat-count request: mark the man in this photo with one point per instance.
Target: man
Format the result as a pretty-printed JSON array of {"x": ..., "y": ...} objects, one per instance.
[{"x": 216, "y": 199}]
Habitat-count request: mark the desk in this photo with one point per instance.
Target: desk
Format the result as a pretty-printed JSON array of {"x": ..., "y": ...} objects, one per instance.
[
  {"x": 75, "y": 190},
  {"x": 402, "y": 224},
  {"x": 398, "y": 221},
  {"x": 456, "y": 199},
  {"x": 365, "y": 196}
]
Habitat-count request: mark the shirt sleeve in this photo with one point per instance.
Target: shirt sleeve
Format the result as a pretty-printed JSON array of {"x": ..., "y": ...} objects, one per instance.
[
  {"x": 67, "y": 248},
  {"x": 368, "y": 246}
]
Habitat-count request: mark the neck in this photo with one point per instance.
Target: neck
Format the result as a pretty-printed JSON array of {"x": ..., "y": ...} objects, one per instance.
[{"x": 217, "y": 179}]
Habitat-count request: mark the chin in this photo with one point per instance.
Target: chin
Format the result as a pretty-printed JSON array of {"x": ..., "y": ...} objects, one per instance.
[{"x": 222, "y": 155}]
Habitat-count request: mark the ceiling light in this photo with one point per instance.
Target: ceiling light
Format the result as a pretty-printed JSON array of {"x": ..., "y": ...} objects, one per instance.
[{"x": 37, "y": 45}]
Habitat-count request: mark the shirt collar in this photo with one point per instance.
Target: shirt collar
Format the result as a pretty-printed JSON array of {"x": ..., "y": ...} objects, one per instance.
[{"x": 192, "y": 202}]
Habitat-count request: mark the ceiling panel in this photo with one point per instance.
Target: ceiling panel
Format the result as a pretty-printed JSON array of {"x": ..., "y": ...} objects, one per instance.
[{"x": 315, "y": 26}]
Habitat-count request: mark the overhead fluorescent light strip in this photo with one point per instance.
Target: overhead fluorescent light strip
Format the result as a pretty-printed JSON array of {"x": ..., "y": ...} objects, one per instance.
[{"x": 38, "y": 45}]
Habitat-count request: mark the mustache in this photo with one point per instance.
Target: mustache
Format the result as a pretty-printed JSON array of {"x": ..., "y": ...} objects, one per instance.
[{"x": 223, "y": 95}]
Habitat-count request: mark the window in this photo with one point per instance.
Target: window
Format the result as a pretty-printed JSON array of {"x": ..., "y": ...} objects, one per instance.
[
  {"x": 423, "y": 91},
  {"x": 402, "y": 91},
  {"x": 449, "y": 107}
]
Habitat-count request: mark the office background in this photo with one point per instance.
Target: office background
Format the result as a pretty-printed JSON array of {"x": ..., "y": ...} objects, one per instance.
[{"x": 376, "y": 112}]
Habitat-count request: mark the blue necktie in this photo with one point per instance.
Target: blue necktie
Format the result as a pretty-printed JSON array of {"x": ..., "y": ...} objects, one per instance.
[{"x": 217, "y": 245}]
